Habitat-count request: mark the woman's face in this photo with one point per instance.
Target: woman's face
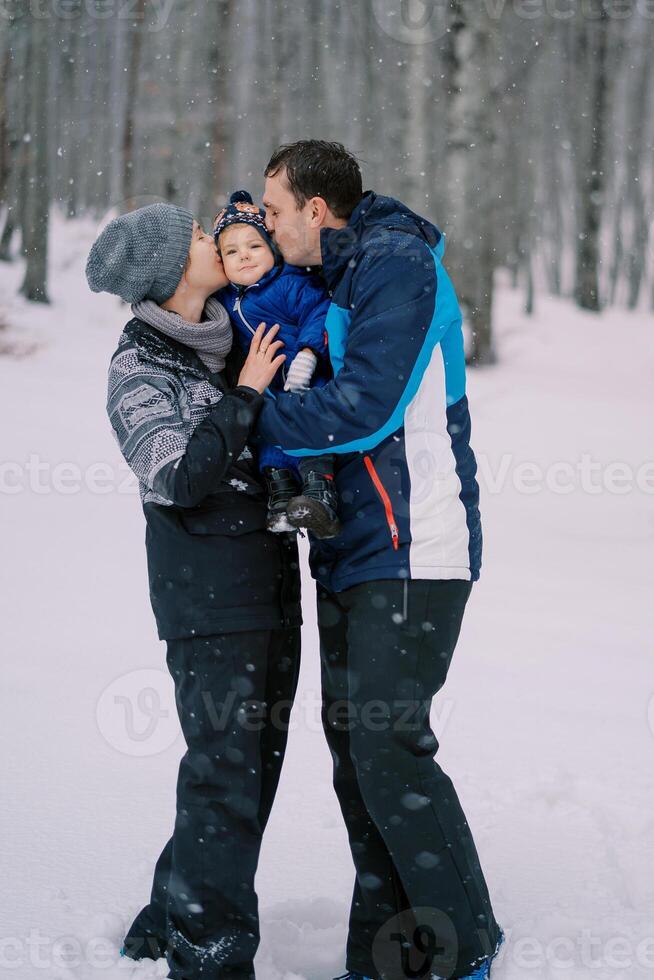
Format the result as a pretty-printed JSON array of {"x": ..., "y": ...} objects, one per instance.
[{"x": 204, "y": 270}]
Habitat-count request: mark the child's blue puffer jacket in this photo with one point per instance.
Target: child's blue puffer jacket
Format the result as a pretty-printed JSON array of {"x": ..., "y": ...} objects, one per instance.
[{"x": 291, "y": 296}]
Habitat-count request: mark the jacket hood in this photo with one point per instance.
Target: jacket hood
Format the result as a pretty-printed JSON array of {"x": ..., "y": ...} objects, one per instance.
[{"x": 372, "y": 217}]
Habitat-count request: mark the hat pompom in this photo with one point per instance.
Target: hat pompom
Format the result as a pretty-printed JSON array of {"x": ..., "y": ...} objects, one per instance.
[{"x": 241, "y": 196}]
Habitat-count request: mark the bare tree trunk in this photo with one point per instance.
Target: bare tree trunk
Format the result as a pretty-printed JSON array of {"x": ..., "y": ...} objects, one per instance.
[
  {"x": 472, "y": 170},
  {"x": 14, "y": 96},
  {"x": 417, "y": 130},
  {"x": 37, "y": 205},
  {"x": 551, "y": 180},
  {"x": 5, "y": 62},
  {"x": 71, "y": 167},
  {"x": 220, "y": 115},
  {"x": 133, "y": 63},
  {"x": 592, "y": 50},
  {"x": 117, "y": 108},
  {"x": 641, "y": 76},
  {"x": 617, "y": 245}
]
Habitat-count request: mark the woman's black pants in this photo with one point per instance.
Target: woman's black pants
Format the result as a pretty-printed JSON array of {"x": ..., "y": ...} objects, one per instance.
[
  {"x": 420, "y": 903},
  {"x": 234, "y": 692}
]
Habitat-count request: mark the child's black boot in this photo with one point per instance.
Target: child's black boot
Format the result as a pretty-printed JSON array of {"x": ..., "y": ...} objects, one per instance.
[
  {"x": 282, "y": 487},
  {"x": 316, "y": 507}
]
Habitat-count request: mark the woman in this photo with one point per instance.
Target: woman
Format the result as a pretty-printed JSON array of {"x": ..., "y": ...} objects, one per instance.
[{"x": 224, "y": 590}]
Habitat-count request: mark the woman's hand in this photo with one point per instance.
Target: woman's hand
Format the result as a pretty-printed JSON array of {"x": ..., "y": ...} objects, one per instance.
[{"x": 261, "y": 365}]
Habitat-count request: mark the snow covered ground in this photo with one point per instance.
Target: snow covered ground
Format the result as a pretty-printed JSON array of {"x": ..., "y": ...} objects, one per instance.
[{"x": 546, "y": 722}]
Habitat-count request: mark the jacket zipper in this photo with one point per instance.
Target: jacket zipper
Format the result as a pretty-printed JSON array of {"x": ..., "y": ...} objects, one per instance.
[
  {"x": 386, "y": 500},
  {"x": 237, "y": 307}
]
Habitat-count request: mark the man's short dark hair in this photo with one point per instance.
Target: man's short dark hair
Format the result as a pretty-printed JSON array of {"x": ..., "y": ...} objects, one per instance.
[{"x": 318, "y": 168}]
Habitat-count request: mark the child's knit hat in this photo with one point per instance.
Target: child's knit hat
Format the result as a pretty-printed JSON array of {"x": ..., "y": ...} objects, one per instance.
[{"x": 242, "y": 210}]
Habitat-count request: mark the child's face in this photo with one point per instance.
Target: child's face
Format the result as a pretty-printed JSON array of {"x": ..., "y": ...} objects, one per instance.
[{"x": 246, "y": 256}]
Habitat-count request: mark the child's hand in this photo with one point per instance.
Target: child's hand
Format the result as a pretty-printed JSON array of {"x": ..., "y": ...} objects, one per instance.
[{"x": 301, "y": 370}]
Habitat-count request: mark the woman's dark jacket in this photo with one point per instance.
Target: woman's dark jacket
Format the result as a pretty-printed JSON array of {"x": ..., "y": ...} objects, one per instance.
[{"x": 183, "y": 430}]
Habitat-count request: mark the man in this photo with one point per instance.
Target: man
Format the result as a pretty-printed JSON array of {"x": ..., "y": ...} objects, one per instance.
[{"x": 392, "y": 587}]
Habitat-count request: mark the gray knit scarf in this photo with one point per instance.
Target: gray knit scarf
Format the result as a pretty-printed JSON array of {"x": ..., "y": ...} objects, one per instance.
[{"x": 211, "y": 339}]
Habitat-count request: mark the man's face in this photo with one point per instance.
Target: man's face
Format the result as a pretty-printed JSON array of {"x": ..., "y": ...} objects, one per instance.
[{"x": 295, "y": 232}]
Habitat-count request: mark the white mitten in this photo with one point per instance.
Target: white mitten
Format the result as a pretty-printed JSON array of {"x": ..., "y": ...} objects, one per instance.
[{"x": 301, "y": 371}]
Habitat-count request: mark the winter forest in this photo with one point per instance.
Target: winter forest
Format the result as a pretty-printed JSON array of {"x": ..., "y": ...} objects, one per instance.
[{"x": 523, "y": 129}]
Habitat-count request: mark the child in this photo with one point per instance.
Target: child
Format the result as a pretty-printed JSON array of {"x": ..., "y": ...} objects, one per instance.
[{"x": 264, "y": 288}]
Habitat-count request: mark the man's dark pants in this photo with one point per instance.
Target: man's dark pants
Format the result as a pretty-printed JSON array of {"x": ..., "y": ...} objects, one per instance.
[
  {"x": 233, "y": 693},
  {"x": 386, "y": 647}
]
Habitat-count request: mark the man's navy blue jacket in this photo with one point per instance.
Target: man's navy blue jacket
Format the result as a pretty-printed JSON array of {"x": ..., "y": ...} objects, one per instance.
[{"x": 396, "y": 411}]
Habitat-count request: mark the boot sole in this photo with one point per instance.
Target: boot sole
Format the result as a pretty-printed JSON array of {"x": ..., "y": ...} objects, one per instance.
[{"x": 307, "y": 512}]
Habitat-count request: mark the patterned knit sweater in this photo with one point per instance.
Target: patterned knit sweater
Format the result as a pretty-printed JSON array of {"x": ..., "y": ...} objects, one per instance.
[{"x": 158, "y": 393}]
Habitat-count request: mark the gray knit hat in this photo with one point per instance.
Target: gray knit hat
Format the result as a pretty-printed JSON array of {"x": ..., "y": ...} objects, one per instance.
[{"x": 142, "y": 254}]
